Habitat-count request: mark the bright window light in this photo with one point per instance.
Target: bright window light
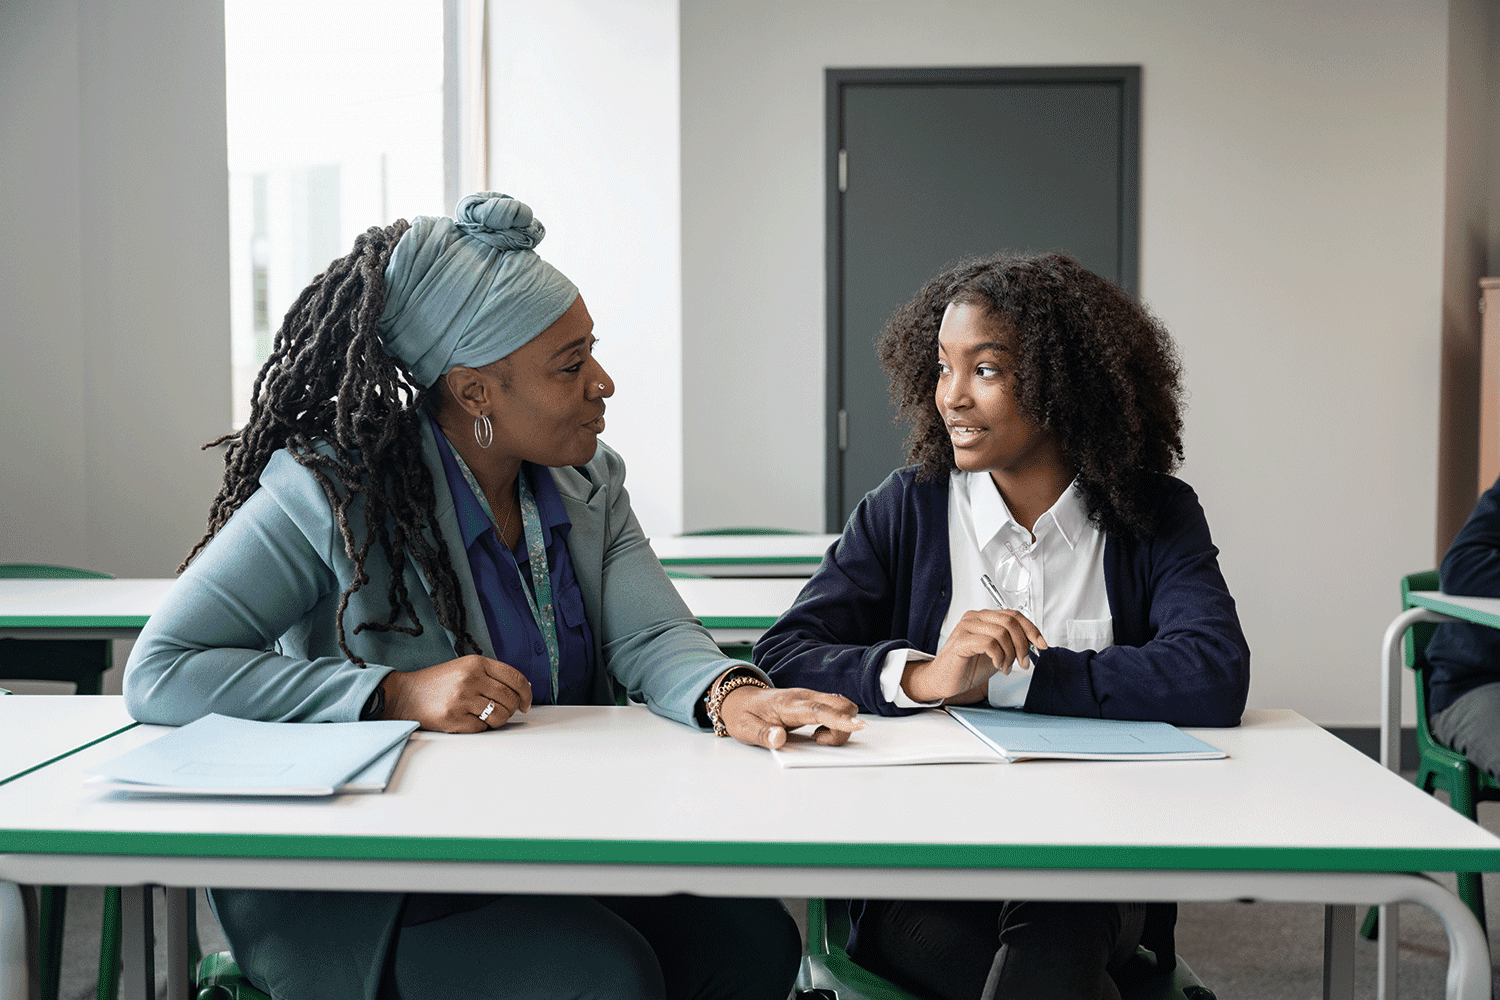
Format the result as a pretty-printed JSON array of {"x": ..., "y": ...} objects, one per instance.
[{"x": 335, "y": 113}]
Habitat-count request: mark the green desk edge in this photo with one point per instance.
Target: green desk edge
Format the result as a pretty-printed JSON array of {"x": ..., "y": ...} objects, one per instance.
[
  {"x": 844, "y": 855},
  {"x": 737, "y": 621},
  {"x": 72, "y": 621},
  {"x": 1421, "y": 600}
]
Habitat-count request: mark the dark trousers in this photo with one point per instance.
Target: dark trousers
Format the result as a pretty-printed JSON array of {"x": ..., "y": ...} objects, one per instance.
[
  {"x": 1006, "y": 950},
  {"x": 461, "y": 947}
]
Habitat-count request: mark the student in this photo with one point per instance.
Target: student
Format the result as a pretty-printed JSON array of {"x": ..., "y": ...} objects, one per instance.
[
  {"x": 1036, "y": 554},
  {"x": 419, "y": 522},
  {"x": 1464, "y": 687}
]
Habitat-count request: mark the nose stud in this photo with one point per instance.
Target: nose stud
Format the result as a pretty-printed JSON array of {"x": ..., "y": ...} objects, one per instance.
[{"x": 601, "y": 386}]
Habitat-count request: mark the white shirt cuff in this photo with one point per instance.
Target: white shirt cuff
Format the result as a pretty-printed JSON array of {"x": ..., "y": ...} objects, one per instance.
[
  {"x": 890, "y": 678},
  {"x": 1009, "y": 690}
]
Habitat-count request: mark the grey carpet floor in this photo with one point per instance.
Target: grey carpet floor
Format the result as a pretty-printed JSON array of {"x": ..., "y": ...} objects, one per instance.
[{"x": 1243, "y": 951}]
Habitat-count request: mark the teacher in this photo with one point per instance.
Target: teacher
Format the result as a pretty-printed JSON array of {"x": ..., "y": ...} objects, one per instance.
[{"x": 419, "y": 522}]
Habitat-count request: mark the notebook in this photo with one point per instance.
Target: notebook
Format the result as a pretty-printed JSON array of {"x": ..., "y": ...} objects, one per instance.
[
  {"x": 964, "y": 735},
  {"x": 1018, "y": 735},
  {"x": 220, "y": 755}
]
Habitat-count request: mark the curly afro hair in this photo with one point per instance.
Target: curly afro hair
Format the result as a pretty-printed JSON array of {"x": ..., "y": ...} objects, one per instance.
[{"x": 1094, "y": 368}]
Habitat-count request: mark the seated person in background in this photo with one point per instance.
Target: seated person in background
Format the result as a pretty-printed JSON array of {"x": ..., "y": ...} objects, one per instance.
[
  {"x": 1463, "y": 695},
  {"x": 419, "y": 522},
  {"x": 1036, "y": 554}
]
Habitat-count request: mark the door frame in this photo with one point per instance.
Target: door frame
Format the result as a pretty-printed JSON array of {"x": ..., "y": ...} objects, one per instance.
[{"x": 1128, "y": 78}]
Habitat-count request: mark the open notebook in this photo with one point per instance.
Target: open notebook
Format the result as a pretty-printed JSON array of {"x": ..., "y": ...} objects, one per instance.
[
  {"x": 962, "y": 734},
  {"x": 220, "y": 755}
]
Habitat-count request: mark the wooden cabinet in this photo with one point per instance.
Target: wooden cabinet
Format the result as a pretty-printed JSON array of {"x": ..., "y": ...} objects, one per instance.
[{"x": 1489, "y": 383}]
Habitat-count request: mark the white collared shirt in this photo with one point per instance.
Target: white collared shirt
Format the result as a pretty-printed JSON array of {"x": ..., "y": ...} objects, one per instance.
[{"x": 1066, "y": 598}]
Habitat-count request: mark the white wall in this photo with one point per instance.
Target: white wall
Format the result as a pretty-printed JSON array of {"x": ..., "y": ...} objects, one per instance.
[
  {"x": 584, "y": 129},
  {"x": 115, "y": 370},
  {"x": 115, "y": 364},
  {"x": 1292, "y": 237}
]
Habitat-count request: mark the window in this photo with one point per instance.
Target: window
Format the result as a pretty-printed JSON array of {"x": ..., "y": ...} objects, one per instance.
[{"x": 335, "y": 117}]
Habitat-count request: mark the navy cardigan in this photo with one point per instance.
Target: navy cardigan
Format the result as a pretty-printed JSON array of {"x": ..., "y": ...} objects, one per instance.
[
  {"x": 1464, "y": 656},
  {"x": 1179, "y": 654}
]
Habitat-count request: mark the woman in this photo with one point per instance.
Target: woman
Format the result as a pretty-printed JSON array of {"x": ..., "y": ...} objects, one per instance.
[
  {"x": 418, "y": 522},
  {"x": 1036, "y": 555}
]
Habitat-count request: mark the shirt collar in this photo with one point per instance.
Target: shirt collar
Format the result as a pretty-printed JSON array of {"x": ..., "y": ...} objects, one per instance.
[
  {"x": 472, "y": 520},
  {"x": 992, "y": 517}
]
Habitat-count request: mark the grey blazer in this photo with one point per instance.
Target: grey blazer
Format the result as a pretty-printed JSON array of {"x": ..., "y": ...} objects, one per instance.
[{"x": 250, "y": 630}]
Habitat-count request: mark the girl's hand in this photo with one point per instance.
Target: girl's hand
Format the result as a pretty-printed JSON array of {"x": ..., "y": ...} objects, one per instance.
[{"x": 986, "y": 642}]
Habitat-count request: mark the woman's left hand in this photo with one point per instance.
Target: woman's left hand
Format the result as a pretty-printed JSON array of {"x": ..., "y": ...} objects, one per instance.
[{"x": 762, "y": 717}]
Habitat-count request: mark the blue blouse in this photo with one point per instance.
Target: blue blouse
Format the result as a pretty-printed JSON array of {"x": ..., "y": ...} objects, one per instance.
[{"x": 500, "y": 573}]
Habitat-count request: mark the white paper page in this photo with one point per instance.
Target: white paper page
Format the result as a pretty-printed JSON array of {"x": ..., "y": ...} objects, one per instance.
[{"x": 930, "y": 737}]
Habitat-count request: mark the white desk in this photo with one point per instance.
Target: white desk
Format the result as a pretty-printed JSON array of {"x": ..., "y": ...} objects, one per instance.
[
  {"x": 77, "y": 609},
  {"x": 743, "y": 555},
  {"x": 637, "y": 804},
  {"x": 734, "y": 609},
  {"x": 737, "y": 609},
  {"x": 56, "y": 724}
]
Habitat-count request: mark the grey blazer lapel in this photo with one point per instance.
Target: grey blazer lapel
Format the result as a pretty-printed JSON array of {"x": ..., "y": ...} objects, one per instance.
[{"x": 453, "y": 540}]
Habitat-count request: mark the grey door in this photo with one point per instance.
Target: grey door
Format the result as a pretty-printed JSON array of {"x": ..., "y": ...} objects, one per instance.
[{"x": 929, "y": 166}]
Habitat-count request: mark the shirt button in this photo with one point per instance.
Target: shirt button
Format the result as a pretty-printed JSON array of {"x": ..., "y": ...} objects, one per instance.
[
  {"x": 539, "y": 648},
  {"x": 515, "y": 585}
]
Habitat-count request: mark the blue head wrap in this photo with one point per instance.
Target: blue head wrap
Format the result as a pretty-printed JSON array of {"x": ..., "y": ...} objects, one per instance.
[{"x": 469, "y": 290}]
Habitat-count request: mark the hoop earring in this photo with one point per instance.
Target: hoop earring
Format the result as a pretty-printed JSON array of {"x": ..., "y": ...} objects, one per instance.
[{"x": 484, "y": 431}]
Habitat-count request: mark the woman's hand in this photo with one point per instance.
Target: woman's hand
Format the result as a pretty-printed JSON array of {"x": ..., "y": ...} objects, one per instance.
[
  {"x": 985, "y": 642},
  {"x": 450, "y": 697},
  {"x": 762, "y": 717}
]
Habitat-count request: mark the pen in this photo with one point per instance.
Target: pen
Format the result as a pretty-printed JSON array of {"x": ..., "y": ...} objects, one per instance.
[{"x": 994, "y": 592}]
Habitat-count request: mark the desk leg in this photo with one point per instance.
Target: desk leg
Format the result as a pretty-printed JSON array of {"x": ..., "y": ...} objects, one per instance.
[
  {"x": 1387, "y": 952},
  {"x": 15, "y": 975},
  {"x": 1338, "y": 952},
  {"x": 137, "y": 944},
  {"x": 179, "y": 975}
]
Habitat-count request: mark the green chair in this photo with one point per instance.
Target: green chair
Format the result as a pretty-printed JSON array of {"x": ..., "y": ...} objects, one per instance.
[
  {"x": 1437, "y": 765},
  {"x": 220, "y": 978},
  {"x": 828, "y": 973},
  {"x": 81, "y": 662}
]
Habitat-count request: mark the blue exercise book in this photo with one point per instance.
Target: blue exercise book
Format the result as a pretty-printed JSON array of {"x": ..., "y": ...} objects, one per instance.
[
  {"x": 220, "y": 755},
  {"x": 1018, "y": 735}
]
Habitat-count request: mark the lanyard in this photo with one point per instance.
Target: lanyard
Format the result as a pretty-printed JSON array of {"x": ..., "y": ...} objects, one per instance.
[{"x": 536, "y": 550}]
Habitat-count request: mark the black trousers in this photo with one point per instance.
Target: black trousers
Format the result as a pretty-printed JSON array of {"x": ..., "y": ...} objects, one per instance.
[
  {"x": 465, "y": 947},
  {"x": 1000, "y": 950}
]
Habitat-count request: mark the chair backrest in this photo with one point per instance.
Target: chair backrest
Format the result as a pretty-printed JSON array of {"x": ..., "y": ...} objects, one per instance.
[
  {"x": 1417, "y": 638},
  {"x": 79, "y": 661}
]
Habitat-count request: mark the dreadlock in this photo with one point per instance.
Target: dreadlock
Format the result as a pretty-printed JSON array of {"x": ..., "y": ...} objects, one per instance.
[
  {"x": 329, "y": 383},
  {"x": 1094, "y": 368}
]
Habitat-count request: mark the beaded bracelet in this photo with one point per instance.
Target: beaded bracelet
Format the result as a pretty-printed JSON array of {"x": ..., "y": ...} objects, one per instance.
[{"x": 726, "y": 683}]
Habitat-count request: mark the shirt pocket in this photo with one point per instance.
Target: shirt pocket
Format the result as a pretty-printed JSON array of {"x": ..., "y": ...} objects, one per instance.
[{"x": 1091, "y": 633}]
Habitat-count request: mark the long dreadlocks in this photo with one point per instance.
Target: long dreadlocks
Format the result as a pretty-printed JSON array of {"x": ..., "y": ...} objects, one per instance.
[{"x": 329, "y": 382}]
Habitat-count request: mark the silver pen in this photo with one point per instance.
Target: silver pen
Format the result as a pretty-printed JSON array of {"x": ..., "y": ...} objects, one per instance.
[{"x": 994, "y": 592}]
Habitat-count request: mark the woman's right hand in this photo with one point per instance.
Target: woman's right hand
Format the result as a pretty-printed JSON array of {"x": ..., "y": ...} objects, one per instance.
[
  {"x": 985, "y": 642},
  {"x": 449, "y": 697}
]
